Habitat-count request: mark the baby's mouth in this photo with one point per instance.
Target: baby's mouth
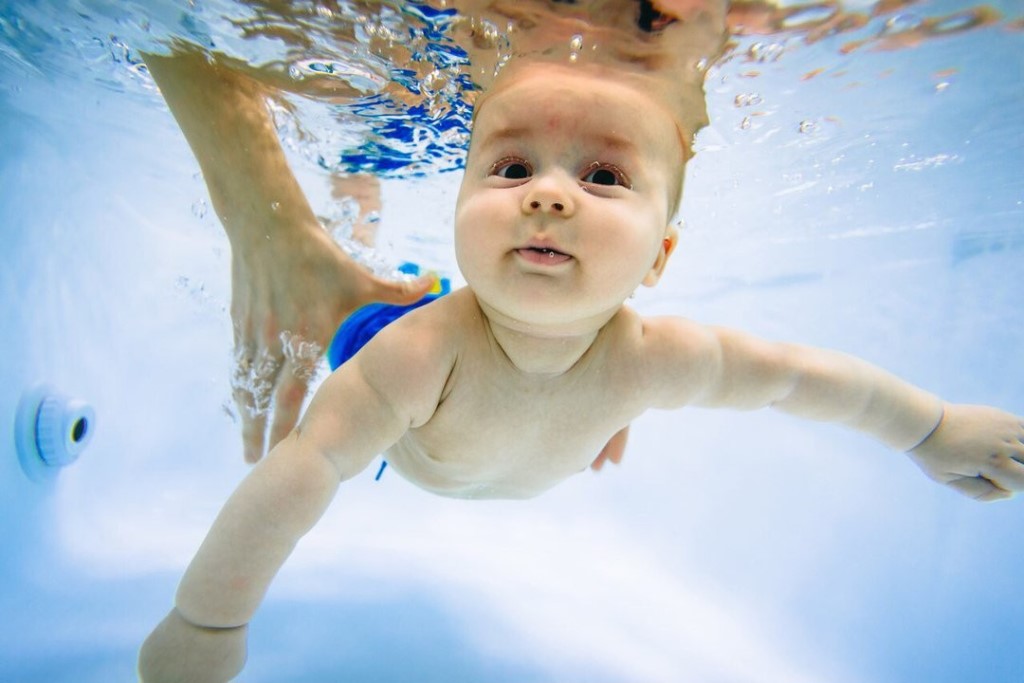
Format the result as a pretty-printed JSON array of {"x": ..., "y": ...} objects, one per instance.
[
  {"x": 550, "y": 253},
  {"x": 543, "y": 255}
]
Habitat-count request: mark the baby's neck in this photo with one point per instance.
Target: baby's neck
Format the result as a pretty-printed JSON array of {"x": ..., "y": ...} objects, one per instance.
[{"x": 545, "y": 352}]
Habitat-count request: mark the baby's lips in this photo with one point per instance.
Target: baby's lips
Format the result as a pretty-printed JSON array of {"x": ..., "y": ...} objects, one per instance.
[
  {"x": 543, "y": 256},
  {"x": 545, "y": 245}
]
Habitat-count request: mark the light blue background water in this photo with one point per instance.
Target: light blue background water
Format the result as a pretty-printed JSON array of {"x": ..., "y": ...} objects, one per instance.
[{"x": 727, "y": 547}]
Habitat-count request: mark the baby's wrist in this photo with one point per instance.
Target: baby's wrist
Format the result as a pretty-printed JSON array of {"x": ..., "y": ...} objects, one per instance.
[
  {"x": 193, "y": 622},
  {"x": 934, "y": 427}
]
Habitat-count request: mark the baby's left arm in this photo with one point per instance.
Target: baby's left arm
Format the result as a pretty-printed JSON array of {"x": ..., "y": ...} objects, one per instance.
[{"x": 978, "y": 451}]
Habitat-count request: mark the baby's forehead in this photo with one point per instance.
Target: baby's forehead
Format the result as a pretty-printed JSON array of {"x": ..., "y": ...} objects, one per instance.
[
  {"x": 569, "y": 97},
  {"x": 551, "y": 80}
]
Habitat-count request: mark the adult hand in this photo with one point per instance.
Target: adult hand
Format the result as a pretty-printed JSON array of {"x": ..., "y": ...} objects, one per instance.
[
  {"x": 291, "y": 284},
  {"x": 288, "y": 298}
]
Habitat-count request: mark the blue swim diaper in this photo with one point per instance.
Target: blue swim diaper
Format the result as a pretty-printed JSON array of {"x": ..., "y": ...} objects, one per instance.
[{"x": 367, "y": 321}]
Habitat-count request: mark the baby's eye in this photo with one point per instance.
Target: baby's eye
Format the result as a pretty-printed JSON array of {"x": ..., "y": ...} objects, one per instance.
[
  {"x": 606, "y": 174},
  {"x": 512, "y": 168}
]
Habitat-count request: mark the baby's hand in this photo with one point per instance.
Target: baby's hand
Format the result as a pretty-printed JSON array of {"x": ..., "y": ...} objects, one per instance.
[
  {"x": 977, "y": 450},
  {"x": 180, "y": 652},
  {"x": 612, "y": 451}
]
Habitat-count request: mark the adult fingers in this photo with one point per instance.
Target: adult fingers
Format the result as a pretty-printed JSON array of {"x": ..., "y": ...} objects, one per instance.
[
  {"x": 291, "y": 392},
  {"x": 302, "y": 356},
  {"x": 252, "y": 382},
  {"x": 254, "y": 427},
  {"x": 979, "y": 488}
]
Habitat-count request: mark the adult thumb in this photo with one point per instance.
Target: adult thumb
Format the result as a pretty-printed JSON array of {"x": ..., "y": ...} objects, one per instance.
[{"x": 403, "y": 292}]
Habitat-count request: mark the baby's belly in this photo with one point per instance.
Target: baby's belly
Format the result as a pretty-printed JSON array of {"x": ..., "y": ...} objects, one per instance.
[{"x": 486, "y": 468}]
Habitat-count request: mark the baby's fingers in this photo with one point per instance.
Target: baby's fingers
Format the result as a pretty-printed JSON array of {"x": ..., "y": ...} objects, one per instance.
[
  {"x": 979, "y": 488},
  {"x": 1006, "y": 470},
  {"x": 613, "y": 450}
]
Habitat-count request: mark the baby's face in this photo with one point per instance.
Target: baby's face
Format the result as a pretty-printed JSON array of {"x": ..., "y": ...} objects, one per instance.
[{"x": 564, "y": 207}]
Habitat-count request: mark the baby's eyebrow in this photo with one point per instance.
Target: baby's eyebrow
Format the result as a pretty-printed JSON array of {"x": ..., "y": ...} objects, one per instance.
[
  {"x": 505, "y": 134},
  {"x": 610, "y": 139}
]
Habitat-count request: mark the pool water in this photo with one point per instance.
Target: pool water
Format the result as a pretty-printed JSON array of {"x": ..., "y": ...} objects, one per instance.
[{"x": 867, "y": 200}]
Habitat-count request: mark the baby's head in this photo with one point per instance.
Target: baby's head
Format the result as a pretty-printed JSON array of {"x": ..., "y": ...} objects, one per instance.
[{"x": 573, "y": 177}]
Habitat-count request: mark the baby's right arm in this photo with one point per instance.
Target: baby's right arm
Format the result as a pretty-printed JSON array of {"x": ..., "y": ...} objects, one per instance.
[
  {"x": 281, "y": 499},
  {"x": 358, "y": 412}
]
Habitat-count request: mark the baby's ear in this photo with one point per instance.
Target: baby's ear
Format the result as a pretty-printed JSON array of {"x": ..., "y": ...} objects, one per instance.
[{"x": 668, "y": 245}]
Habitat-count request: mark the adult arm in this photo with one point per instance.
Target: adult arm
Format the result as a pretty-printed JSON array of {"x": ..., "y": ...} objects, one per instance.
[{"x": 288, "y": 275}]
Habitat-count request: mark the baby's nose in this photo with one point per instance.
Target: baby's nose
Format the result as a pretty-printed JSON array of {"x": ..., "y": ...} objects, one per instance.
[
  {"x": 552, "y": 206},
  {"x": 550, "y": 196}
]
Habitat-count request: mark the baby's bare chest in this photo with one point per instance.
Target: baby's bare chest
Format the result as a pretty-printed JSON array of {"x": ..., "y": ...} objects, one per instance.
[{"x": 504, "y": 436}]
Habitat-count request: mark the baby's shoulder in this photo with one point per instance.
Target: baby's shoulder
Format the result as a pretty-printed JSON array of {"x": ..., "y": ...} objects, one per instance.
[
  {"x": 411, "y": 360},
  {"x": 441, "y": 323},
  {"x": 663, "y": 355},
  {"x": 429, "y": 339},
  {"x": 632, "y": 334}
]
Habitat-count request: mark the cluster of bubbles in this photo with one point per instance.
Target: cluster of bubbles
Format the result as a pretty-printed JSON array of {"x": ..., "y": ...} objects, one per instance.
[
  {"x": 253, "y": 376},
  {"x": 252, "y": 380},
  {"x": 302, "y": 355},
  {"x": 763, "y": 33},
  {"x": 407, "y": 98},
  {"x": 410, "y": 116}
]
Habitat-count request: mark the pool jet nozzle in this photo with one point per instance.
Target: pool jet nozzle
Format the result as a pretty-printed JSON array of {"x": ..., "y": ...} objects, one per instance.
[{"x": 51, "y": 430}]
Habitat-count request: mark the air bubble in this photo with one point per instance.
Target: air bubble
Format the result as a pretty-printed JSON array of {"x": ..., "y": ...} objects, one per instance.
[
  {"x": 808, "y": 16},
  {"x": 747, "y": 100},
  {"x": 575, "y": 45},
  {"x": 765, "y": 52},
  {"x": 901, "y": 23}
]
